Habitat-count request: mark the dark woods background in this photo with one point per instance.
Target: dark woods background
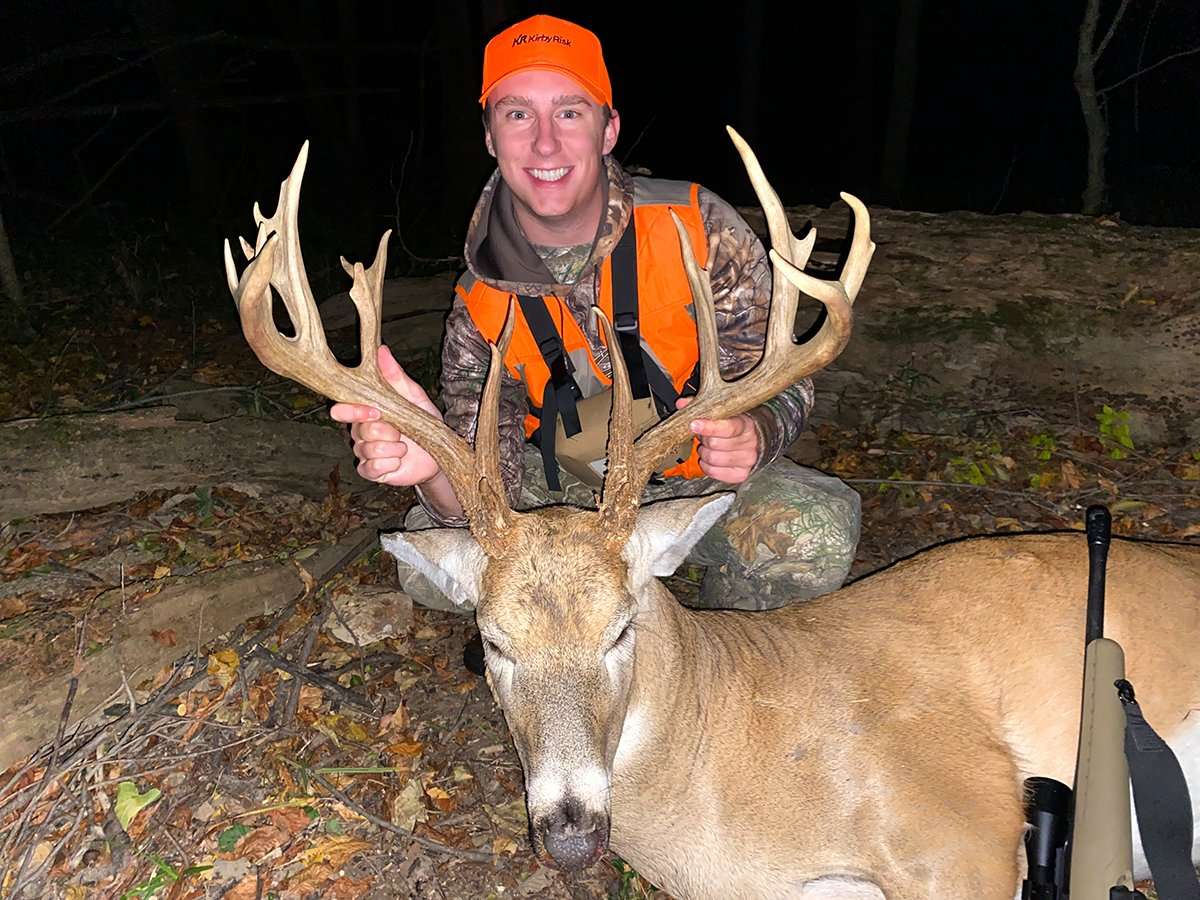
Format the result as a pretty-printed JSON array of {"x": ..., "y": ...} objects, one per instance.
[{"x": 150, "y": 127}]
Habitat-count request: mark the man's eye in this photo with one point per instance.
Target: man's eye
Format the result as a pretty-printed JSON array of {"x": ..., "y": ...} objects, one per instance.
[
  {"x": 570, "y": 114},
  {"x": 517, "y": 114}
]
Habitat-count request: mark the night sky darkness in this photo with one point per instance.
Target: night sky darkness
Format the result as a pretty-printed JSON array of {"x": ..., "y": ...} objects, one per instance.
[{"x": 212, "y": 120}]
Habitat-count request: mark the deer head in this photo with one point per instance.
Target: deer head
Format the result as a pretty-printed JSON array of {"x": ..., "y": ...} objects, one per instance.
[{"x": 561, "y": 594}]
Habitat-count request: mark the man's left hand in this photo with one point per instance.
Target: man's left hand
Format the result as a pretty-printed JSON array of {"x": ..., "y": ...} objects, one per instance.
[{"x": 728, "y": 447}]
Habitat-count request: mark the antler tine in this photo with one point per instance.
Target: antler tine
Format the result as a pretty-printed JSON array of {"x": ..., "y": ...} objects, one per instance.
[
  {"x": 493, "y": 514},
  {"x": 783, "y": 362},
  {"x": 622, "y": 488},
  {"x": 276, "y": 263}
]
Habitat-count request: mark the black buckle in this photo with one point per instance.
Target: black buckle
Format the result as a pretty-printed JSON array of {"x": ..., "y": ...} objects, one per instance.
[{"x": 626, "y": 321}]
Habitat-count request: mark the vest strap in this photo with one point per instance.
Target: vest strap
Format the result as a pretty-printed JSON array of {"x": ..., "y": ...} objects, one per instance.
[
  {"x": 645, "y": 378},
  {"x": 561, "y": 392}
]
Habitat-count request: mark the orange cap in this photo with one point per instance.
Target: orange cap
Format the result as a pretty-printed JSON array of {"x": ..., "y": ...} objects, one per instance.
[{"x": 544, "y": 42}]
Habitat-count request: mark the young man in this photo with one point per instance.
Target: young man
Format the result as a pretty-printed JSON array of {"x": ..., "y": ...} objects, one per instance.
[{"x": 562, "y": 227}]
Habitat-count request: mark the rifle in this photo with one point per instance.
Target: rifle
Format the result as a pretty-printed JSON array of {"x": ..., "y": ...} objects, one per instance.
[{"x": 1080, "y": 843}]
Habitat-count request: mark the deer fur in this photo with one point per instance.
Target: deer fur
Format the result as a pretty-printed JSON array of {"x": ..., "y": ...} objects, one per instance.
[{"x": 870, "y": 743}]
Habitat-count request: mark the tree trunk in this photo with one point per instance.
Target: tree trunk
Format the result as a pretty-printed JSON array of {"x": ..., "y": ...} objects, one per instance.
[
  {"x": 900, "y": 111},
  {"x": 16, "y": 313},
  {"x": 1095, "y": 191},
  {"x": 181, "y": 88},
  {"x": 860, "y": 126}
]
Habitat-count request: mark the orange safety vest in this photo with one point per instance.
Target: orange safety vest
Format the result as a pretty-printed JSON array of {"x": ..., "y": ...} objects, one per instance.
[{"x": 666, "y": 322}]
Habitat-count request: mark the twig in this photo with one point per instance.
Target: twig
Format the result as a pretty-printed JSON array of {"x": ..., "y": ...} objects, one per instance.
[
  {"x": 1138, "y": 74},
  {"x": 473, "y": 855},
  {"x": 326, "y": 684},
  {"x": 90, "y": 192},
  {"x": 310, "y": 638}
]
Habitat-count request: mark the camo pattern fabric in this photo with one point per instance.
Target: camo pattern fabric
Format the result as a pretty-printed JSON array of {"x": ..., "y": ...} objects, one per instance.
[
  {"x": 791, "y": 534},
  {"x": 741, "y": 280}
]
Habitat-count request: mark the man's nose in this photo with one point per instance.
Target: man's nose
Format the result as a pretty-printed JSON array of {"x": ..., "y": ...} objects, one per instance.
[{"x": 546, "y": 139}]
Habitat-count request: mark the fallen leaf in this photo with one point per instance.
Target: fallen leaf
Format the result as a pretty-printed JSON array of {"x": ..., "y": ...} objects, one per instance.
[
  {"x": 411, "y": 749},
  {"x": 166, "y": 637},
  {"x": 509, "y": 816},
  {"x": 292, "y": 819},
  {"x": 1070, "y": 475},
  {"x": 12, "y": 606},
  {"x": 441, "y": 799},
  {"x": 130, "y": 802},
  {"x": 228, "y": 839},
  {"x": 310, "y": 882},
  {"x": 408, "y": 806},
  {"x": 394, "y": 721},
  {"x": 223, "y": 667},
  {"x": 341, "y": 728},
  {"x": 261, "y": 841},
  {"x": 502, "y": 844},
  {"x": 334, "y": 850},
  {"x": 348, "y": 888},
  {"x": 246, "y": 889}
]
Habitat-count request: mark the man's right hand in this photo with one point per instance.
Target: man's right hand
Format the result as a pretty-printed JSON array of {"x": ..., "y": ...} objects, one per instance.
[{"x": 385, "y": 455}]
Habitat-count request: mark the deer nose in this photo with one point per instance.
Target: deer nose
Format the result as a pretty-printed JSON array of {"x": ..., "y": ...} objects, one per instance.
[{"x": 573, "y": 836}]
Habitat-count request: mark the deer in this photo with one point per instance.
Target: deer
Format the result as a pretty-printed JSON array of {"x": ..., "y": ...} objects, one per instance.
[{"x": 870, "y": 743}]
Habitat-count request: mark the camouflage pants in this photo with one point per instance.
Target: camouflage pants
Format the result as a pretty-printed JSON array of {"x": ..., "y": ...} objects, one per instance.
[{"x": 791, "y": 534}]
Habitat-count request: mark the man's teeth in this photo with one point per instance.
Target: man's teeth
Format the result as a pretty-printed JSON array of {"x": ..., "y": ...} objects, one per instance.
[{"x": 548, "y": 174}]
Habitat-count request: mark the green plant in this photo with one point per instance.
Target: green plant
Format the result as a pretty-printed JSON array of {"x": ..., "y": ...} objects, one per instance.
[
  {"x": 1043, "y": 445},
  {"x": 164, "y": 874},
  {"x": 1114, "y": 431}
]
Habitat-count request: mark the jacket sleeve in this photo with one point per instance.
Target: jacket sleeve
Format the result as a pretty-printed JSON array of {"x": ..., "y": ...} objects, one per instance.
[
  {"x": 740, "y": 273},
  {"x": 465, "y": 359}
]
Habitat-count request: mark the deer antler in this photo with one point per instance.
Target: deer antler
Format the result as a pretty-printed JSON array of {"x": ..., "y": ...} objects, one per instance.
[
  {"x": 783, "y": 362},
  {"x": 275, "y": 262}
]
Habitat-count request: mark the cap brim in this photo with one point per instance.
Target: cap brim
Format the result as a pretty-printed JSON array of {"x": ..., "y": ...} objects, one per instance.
[{"x": 591, "y": 90}]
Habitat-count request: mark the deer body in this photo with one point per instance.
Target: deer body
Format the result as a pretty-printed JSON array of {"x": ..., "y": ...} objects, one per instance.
[{"x": 883, "y": 732}]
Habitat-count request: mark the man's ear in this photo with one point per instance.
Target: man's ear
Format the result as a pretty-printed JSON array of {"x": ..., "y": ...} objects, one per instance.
[
  {"x": 448, "y": 557},
  {"x": 487, "y": 141},
  {"x": 611, "y": 130},
  {"x": 666, "y": 532}
]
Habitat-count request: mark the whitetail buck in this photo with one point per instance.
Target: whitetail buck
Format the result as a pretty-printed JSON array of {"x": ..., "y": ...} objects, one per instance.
[{"x": 870, "y": 743}]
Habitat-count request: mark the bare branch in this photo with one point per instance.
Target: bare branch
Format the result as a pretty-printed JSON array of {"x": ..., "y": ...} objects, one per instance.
[
  {"x": 90, "y": 192},
  {"x": 1149, "y": 68},
  {"x": 1112, "y": 29},
  {"x": 39, "y": 114}
]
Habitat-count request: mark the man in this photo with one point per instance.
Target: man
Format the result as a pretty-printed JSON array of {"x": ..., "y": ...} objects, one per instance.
[{"x": 556, "y": 228}]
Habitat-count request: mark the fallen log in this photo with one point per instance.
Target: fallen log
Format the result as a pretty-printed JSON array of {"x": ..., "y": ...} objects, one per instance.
[
  {"x": 66, "y": 463},
  {"x": 195, "y": 609}
]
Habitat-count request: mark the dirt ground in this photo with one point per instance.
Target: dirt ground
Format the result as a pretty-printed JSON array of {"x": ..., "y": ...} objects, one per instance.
[{"x": 383, "y": 769}]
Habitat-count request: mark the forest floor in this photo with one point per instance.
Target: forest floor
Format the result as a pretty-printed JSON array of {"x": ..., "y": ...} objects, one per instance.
[{"x": 334, "y": 745}]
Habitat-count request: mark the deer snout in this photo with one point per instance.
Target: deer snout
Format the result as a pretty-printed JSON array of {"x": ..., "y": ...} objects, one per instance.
[{"x": 574, "y": 836}]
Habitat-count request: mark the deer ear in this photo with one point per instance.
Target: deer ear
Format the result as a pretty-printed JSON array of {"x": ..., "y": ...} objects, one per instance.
[
  {"x": 449, "y": 557},
  {"x": 666, "y": 532}
]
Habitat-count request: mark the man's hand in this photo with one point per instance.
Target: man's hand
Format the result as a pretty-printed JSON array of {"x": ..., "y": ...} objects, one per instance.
[
  {"x": 385, "y": 455},
  {"x": 728, "y": 447}
]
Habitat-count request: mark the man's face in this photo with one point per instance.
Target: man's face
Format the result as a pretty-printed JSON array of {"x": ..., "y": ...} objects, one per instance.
[{"x": 549, "y": 137}]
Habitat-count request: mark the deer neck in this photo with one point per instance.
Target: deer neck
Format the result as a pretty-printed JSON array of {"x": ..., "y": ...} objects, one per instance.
[{"x": 677, "y": 660}]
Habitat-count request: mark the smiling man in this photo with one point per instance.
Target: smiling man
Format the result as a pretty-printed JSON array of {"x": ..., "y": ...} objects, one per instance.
[{"x": 561, "y": 227}]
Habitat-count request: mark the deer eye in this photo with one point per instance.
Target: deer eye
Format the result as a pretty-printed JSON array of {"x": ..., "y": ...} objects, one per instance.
[
  {"x": 493, "y": 652},
  {"x": 624, "y": 638}
]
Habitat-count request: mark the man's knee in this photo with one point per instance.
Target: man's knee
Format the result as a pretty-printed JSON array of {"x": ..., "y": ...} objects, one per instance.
[{"x": 791, "y": 534}]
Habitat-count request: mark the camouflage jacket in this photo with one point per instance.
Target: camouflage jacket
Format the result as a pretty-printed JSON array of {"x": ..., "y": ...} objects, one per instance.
[{"x": 741, "y": 281}]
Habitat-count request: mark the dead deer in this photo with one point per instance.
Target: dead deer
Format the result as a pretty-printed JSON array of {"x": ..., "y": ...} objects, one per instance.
[{"x": 870, "y": 743}]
